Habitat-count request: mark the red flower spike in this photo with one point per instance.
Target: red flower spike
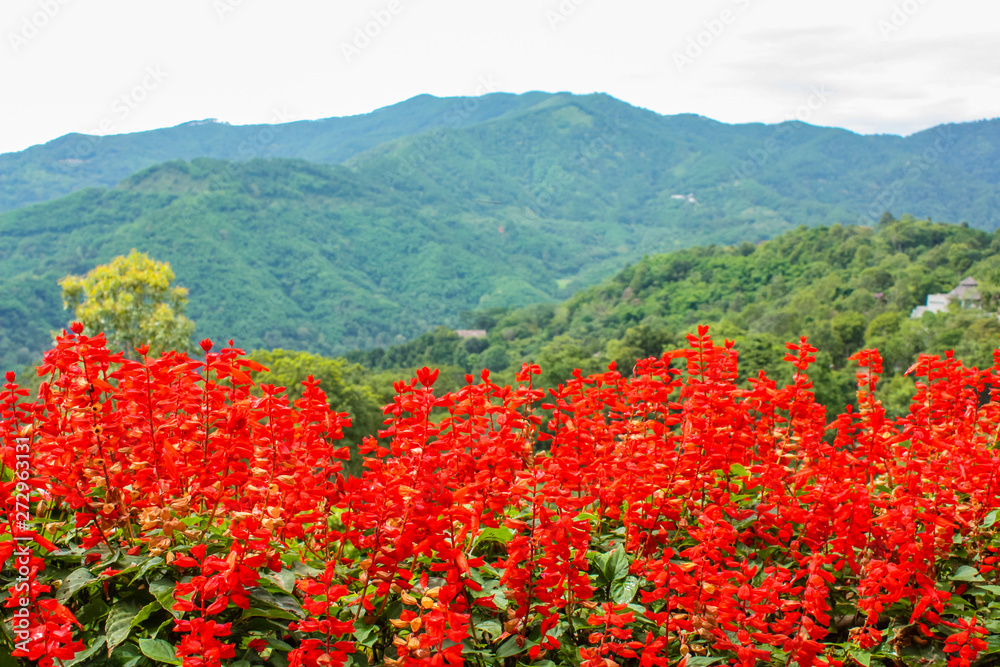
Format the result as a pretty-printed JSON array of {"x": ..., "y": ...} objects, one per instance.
[
  {"x": 426, "y": 376},
  {"x": 729, "y": 508}
]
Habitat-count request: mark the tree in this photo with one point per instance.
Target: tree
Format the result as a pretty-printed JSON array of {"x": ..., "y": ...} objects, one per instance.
[{"x": 131, "y": 300}]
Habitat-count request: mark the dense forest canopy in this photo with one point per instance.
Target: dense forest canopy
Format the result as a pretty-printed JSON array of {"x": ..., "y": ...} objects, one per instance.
[
  {"x": 489, "y": 213},
  {"x": 506, "y": 202},
  {"x": 845, "y": 287},
  {"x": 578, "y": 156}
]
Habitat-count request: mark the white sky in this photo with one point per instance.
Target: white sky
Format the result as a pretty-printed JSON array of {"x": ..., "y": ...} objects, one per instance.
[{"x": 895, "y": 66}]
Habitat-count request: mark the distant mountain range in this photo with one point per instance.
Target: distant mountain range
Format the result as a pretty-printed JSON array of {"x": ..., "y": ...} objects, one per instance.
[
  {"x": 76, "y": 161},
  {"x": 845, "y": 287},
  {"x": 352, "y": 232},
  {"x": 949, "y": 171}
]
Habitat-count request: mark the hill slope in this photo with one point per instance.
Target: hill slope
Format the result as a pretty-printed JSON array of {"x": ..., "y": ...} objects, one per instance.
[
  {"x": 280, "y": 253},
  {"x": 497, "y": 201},
  {"x": 847, "y": 288},
  {"x": 596, "y": 158},
  {"x": 75, "y": 161},
  {"x": 567, "y": 156}
]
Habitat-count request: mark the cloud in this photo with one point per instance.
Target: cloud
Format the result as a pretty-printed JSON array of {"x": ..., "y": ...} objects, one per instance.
[
  {"x": 879, "y": 85},
  {"x": 759, "y": 61}
]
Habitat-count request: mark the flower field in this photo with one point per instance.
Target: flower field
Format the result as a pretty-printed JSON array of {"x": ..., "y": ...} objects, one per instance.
[{"x": 171, "y": 511}]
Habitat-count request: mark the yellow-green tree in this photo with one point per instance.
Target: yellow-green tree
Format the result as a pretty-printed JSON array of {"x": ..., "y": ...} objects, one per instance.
[{"x": 132, "y": 301}]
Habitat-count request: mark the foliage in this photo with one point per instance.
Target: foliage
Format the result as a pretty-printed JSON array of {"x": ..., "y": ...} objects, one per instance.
[
  {"x": 419, "y": 206},
  {"x": 132, "y": 301},
  {"x": 846, "y": 287},
  {"x": 79, "y": 161},
  {"x": 177, "y": 513},
  {"x": 579, "y": 157},
  {"x": 282, "y": 254}
]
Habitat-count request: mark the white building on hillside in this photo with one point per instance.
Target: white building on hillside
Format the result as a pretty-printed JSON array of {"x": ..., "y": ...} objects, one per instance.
[{"x": 967, "y": 295}]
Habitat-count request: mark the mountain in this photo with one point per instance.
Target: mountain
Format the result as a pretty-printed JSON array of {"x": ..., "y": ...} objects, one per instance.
[
  {"x": 845, "y": 287},
  {"x": 287, "y": 253},
  {"x": 446, "y": 205},
  {"x": 551, "y": 148},
  {"x": 76, "y": 161},
  {"x": 596, "y": 157}
]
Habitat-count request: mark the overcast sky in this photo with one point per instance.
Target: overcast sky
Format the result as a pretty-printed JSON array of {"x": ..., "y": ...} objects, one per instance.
[{"x": 112, "y": 66}]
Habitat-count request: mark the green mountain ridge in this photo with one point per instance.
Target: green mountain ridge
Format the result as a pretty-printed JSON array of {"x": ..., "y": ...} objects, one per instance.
[
  {"x": 75, "y": 161},
  {"x": 281, "y": 253},
  {"x": 450, "y": 205},
  {"x": 759, "y": 175},
  {"x": 845, "y": 287},
  {"x": 947, "y": 172}
]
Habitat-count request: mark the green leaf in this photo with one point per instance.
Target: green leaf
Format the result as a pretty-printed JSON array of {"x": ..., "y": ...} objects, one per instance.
[
  {"x": 284, "y": 602},
  {"x": 510, "y": 648},
  {"x": 6, "y": 659},
  {"x": 270, "y": 612},
  {"x": 502, "y": 535},
  {"x": 990, "y": 518},
  {"x": 991, "y": 589},
  {"x": 622, "y": 591},
  {"x": 704, "y": 660},
  {"x": 364, "y": 634},
  {"x": 77, "y": 579},
  {"x": 864, "y": 657},
  {"x": 926, "y": 655},
  {"x": 145, "y": 612},
  {"x": 280, "y": 659},
  {"x": 167, "y": 624},
  {"x": 158, "y": 650},
  {"x": 639, "y": 610},
  {"x": 119, "y": 623},
  {"x": 738, "y": 470},
  {"x": 127, "y": 655},
  {"x": 500, "y": 600},
  {"x": 146, "y": 567},
  {"x": 83, "y": 655},
  {"x": 285, "y": 580},
  {"x": 304, "y": 571},
  {"x": 491, "y": 627},
  {"x": 967, "y": 573},
  {"x": 163, "y": 591},
  {"x": 613, "y": 564},
  {"x": 93, "y": 611},
  {"x": 274, "y": 642}
]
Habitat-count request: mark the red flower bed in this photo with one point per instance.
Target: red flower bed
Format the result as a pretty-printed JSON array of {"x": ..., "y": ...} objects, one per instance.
[{"x": 160, "y": 512}]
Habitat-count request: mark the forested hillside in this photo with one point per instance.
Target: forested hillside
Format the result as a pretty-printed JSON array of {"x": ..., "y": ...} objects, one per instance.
[
  {"x": 445, "y": 206},
  {"x": 846, "y": 288},
  {"x": 595, "y": 158},
  {"x": 283, "y": 254},
  {"x": 76, "y": 161},
  {"x": 591, "y": 156}
]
